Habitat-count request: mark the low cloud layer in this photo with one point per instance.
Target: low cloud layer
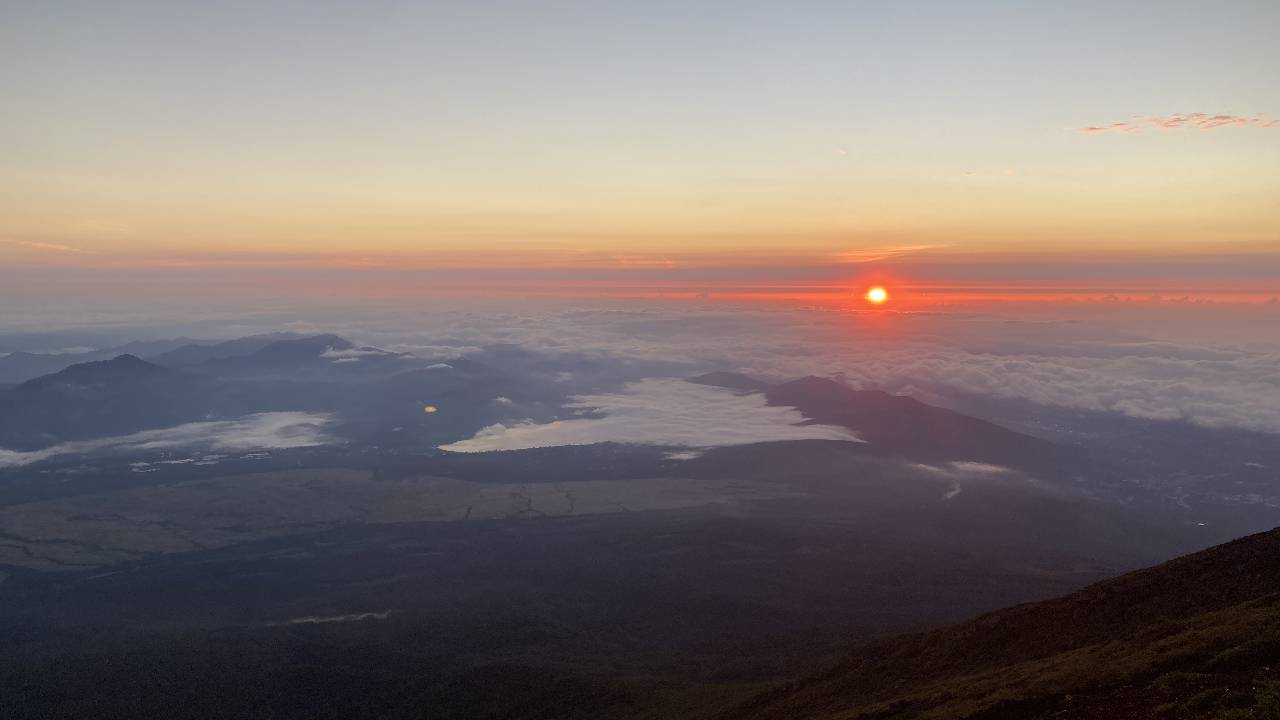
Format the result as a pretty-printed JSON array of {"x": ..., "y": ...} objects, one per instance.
[
  {"x": 1213, "y": 364},
  {"x": 355, "y": 354},
  {"x": 274, "y": 430},
  {"x": 660, "y": 412}
]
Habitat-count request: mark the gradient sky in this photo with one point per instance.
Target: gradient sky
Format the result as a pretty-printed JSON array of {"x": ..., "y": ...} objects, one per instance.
[{"x": 652, "y": 135}]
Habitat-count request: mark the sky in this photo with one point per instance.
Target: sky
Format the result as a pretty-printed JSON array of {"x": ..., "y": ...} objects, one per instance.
[{"x": 657, "y": 142}]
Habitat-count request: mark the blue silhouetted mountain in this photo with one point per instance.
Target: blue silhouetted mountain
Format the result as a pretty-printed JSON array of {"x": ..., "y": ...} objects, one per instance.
[
  {"x": 373, "y": 391},
  {"x": 95, "y": 399},
  {"x": 101, "y": 373},
  {"x": 287, "y": 351},
  {"x": 196, "y": 353},
  {"x": 896, "y": 423},
  {"x": 20, "y": 366},
  {"x": 290, "y": 359}
]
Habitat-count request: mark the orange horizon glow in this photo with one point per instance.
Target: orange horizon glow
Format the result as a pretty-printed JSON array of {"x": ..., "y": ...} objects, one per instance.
[
  {"x": 909, "y": 294},
  {"x": 327, "y": 157}
]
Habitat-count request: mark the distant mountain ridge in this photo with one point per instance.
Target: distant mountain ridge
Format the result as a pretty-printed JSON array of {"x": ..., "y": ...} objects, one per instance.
[
  {"x": 95, "y": 399},
  {"x": 126, "y": 394},
  {"x": 122, "y": 368},
  {"x": 303, "y": 348},
  {"x": 277, "y": 355},
  {"x": 374, "y": 389},
  {"x": 196, "y": 353},
  {"x": 20, "y": 366},
  {"x": 897, "y": 423}
]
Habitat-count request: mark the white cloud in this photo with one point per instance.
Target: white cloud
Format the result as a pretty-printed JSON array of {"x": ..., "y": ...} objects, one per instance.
[
  {"x": 275, "y": 430},
  {"x": 964, "y": 468},
  {"x": 353, "y": 353},
  {"x": 1075, "y": 358},
  {"x": 660, "y": 411},
  {"x": 960, "y": 472},
  {"x": 1240, "y": 392},
  {"x": 433, "y": 351}
]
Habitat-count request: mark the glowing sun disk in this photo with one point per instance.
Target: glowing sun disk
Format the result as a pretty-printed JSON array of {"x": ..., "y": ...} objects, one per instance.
[{"x": 877, "y": 295}]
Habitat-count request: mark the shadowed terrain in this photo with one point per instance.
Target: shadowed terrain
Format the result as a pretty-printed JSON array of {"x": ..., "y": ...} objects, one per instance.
[{"x": 281, "y": 534}]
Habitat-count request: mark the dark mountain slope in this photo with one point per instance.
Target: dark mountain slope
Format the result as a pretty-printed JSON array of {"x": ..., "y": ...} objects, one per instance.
[
  {"x": 314, "y": 357},
  {"x": 96, "y": 399},
  {"x": 1195, "y": 637},
  {"x": 122, "y": 368},
  {"x": 20, "y": 366},
  {"x": 378, "y": 393},
  {"x": 287, "y": 351},
  {"x": 906, "y": 425},
  {"x": 902, "y": 425}
]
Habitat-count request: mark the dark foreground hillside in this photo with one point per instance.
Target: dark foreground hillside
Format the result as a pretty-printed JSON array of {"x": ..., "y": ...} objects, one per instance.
[{"x": 1197, "y": 637}]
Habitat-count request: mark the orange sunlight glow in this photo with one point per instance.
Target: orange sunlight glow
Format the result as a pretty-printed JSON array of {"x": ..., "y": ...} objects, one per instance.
[{"x": 877, "y": 295}]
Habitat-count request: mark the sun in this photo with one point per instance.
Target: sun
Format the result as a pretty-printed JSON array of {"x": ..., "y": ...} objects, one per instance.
[{"x": 877, "y": 295}]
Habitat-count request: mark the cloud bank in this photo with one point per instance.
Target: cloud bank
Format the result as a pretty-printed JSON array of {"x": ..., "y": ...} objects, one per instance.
[
  {"x": 659, "y": 411},
  {"x": 1211, "y": 364},
  {"x": 1097, "y": 363},
  {"x": 273, "y": 430}
]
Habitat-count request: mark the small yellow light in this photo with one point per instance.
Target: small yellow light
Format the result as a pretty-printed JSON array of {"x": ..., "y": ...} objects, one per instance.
[
  {"x": 877, "y": 295},
  {"x": 429, "y": 409}
]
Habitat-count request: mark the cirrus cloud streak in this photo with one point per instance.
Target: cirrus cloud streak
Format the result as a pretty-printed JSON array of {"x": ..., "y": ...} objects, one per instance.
[{"x": 1177, "y": 121}]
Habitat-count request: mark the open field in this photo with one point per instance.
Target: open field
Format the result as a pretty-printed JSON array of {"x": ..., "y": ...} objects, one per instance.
[{"x": 101, "y": 529}]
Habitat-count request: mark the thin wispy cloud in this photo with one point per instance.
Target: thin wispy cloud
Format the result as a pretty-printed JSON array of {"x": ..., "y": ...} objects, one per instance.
[
  {"x": 1202, "y": 121},
  {"x": 1179, "y": 121},
  {"x": 1120, "y": 127},
  {"x": 272, "y": 430},
  {"x": 349, "y": 355},
  {"x": 47, "y": 246},
  {"x": 882, "y": 253},
  {"x": 641, "y": 261},
  {"x": 963, "y": 472}
]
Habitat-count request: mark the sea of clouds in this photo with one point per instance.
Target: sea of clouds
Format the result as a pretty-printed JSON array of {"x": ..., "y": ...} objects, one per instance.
[
  {"x": 1215, "y": 365},
  {"x": 1107, "y": 361}
]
